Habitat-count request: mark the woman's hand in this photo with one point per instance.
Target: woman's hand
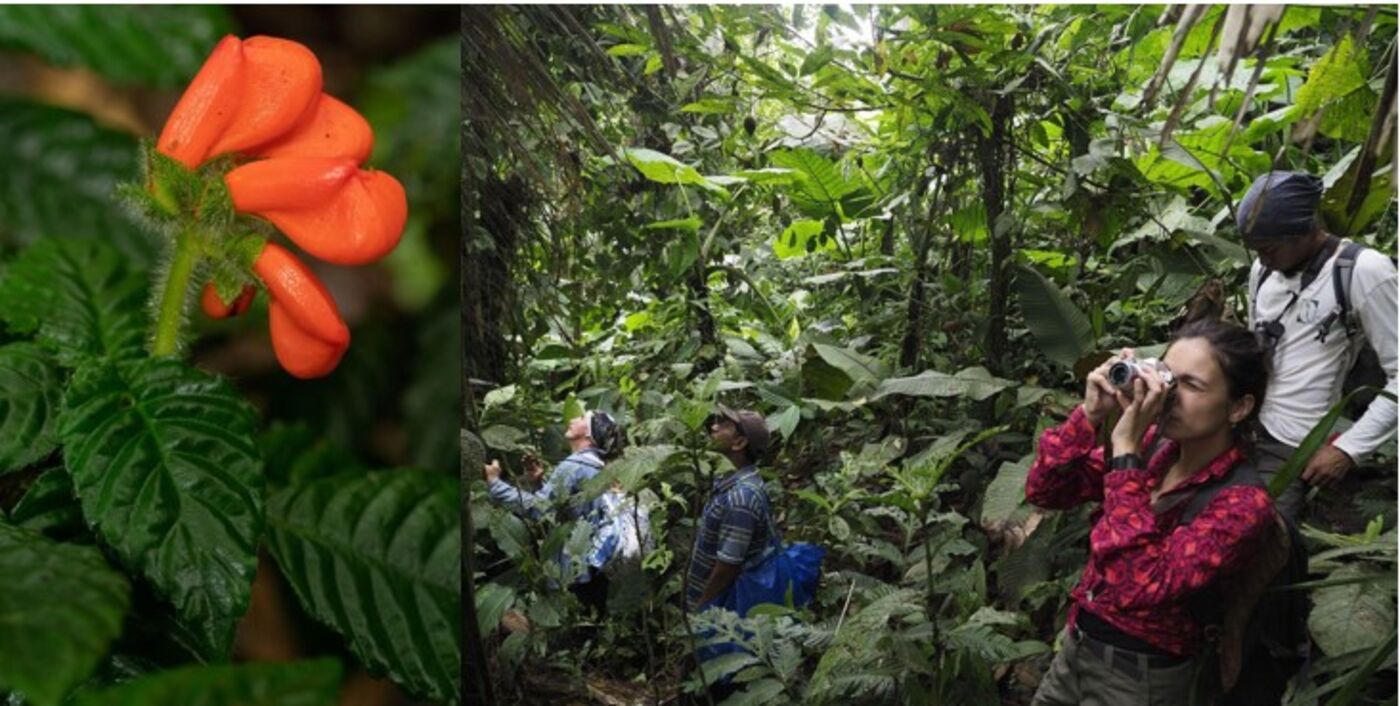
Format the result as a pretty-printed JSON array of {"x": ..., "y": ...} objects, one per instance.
[
  {"x": 492, "y": 471},
  {"x": 1100, "y": 398},
  {"x": 1139, "y": 411}
]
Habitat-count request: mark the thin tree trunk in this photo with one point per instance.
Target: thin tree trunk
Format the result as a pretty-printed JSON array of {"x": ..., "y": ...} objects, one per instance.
[
  {"x": 476, "y": 679},
  {"x": 993, "y": 157}
]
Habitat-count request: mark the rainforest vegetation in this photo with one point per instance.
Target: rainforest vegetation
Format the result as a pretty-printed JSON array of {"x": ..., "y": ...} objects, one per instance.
[{"x": 901, "y": 234}]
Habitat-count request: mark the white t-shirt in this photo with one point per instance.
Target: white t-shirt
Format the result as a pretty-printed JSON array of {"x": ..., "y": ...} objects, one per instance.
[{"x": 1308, "y": 374}]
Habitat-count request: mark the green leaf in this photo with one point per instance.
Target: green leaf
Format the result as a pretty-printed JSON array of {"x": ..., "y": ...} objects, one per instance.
[
  {"x": 413, "y": 106},
  {"x": 50, "y": 507},
  {"x": 711, "y": 105},
  {"x": 627, "y": 50},
  {"x": 163, "y": 461},
  {"x": 61, "y": 607},
  {"x": 378, "y": 557},
  {"x": 795, "y": 240},
  {"x": 60, "y": 172},
  {"x": 786, "y": 421},
  {"x": 665, "y": 169},
  {"x": 1332, "y": 77},
  {"x": 771, "y": 175},
  {"x": 161, "y": 46},
  {"x": 817, "y": 59},
  {"x": 820, "y": 183},
  {"x": 1350, "y": 617},
  {"x": 1060, "y": 328},
  {"x": 509, "y": 531},
  {"x": 932, "y": 383},
  {"x": 691, "y": 224},
  {"x": 79, "y": 299},
  {"x": 307, "y": 683},
  {"x": 631, "y": 470},
  {"x": 1356, "y": 683},
  {"x": 1006, "y": 493},
  {"x": 492, "y": 602},
  {"x": 863, "y": 370},
  {"x": 31, "y": 389}
]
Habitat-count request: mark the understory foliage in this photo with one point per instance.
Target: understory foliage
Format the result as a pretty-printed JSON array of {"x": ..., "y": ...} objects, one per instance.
[
  {"x": 201, "y": 528},
  {"x": 902, "y": 234}
]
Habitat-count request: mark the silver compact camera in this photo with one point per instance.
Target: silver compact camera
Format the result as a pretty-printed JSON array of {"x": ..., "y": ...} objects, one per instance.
[{"x": 1122, "y": 373}]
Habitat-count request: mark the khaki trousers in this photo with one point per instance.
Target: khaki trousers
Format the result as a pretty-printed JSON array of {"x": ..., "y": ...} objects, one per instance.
[{"x": 1117, "y": 678}]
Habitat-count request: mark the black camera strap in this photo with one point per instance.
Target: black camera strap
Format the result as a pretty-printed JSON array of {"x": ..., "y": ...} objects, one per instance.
[{"x": 1274, "y": 329}]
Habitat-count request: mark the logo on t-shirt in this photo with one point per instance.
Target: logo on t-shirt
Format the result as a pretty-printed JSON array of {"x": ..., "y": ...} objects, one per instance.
[{"x": 1308, "y": 311}]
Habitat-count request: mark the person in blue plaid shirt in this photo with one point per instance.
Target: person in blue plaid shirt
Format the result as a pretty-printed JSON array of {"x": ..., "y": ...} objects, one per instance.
[
  {"x": 736, "y": 527},
  {"x": 592, "y": 437}
]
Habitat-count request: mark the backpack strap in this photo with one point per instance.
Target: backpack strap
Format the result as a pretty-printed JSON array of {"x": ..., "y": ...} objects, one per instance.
[
  {"x": 1243, "y": 473},
  {"x": 1341, "y": 288}
]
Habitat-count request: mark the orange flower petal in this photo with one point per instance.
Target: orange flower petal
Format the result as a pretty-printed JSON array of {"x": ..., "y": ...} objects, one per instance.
[
  {"x": 281, "y": 81},
  {"x": 207, "y": 107},
  {"x": 361, "y": 222},
  {"x": 301, "y": 295},
  {"x": 287, "y": 184},
  {"x": 300, "y": 353},
  {"x": 215, "y": 308},
  {"x": 333, "y": 129}
]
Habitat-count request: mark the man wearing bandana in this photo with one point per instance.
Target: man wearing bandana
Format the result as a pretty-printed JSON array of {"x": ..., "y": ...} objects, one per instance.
[{"x": 1297, "y": 306}]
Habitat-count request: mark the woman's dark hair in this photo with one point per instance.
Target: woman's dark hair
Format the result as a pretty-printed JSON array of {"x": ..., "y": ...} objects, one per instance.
[{"x": 1241, "y": 356}]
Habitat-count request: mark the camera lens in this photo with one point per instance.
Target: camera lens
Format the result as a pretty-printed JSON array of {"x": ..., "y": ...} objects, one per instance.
[{"x": 1121, "y": 374}]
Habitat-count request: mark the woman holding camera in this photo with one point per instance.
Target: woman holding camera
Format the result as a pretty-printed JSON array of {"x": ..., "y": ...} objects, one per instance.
[{"x": 1135, "y": 632}]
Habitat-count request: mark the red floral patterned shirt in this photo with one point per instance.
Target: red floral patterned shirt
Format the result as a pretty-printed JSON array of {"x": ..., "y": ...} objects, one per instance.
[{"x": 1142, "y": 567}]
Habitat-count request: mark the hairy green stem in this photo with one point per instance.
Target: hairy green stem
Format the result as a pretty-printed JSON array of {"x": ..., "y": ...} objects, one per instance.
[{"x": 172, "y": 298}]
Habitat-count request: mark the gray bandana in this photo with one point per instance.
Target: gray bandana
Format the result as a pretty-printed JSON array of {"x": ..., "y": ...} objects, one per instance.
[{"x": 1279, "y": 205}]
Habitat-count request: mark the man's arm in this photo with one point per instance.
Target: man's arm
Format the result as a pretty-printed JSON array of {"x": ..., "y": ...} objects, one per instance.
[
  {"x": 1376, "y": 309},
  {"x": 721, "y": 578}
]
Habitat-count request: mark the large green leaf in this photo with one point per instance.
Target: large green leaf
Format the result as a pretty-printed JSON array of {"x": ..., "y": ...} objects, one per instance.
[
  {"x": 58, "y": 173},
  {"x": 1006, "y": 493},
  {"x": 631, "y": 470},
  {"x": 665, "y": 169},
  {"x": 932, "y": 383},
  {"x": 1352, "y": 616},
  {"x": 413, "y": 106},
  {"x": 1062, "y": 330},
  {"x": 820, "y": 183},
  {"x": 61, "y": 606},
  {"x": 160, "y": 45},
  {"x": 1335, "y": 75},
  {"x": 377, "y": 557},
  {"x": 863, "y": 370},
  {"x": 311, "y": 683},
  {"x": 801, "y": 237},
  {"x": 492, "y": 602},
  {"x": 164, "y": 464},
  {"x": 78, "y": 298},
  {"x": 31, "y": 388}
]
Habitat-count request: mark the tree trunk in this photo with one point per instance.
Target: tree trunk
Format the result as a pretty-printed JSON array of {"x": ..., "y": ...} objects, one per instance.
[
  {"x": 993, "y": 156},
  {"x": 476, "y": 679}
]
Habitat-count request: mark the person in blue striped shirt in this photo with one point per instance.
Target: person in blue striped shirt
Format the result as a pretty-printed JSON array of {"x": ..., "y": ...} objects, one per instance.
[{"x": 737, "y": 525}]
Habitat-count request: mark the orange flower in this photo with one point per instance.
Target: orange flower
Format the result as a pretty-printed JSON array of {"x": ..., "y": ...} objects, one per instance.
[{"x": 299, "y": 153}]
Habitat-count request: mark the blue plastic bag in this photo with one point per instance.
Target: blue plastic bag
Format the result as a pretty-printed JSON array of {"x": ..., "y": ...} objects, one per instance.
[{"x": 795, "y": 568}]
